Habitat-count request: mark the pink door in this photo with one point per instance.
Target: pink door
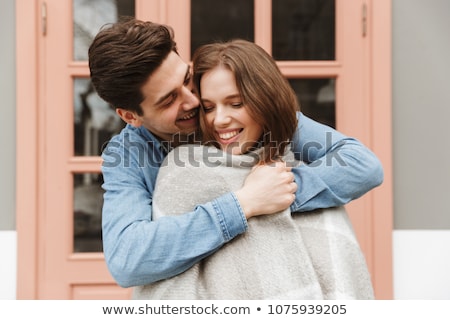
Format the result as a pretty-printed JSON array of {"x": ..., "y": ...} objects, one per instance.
[{"x": 342, "y": 80}]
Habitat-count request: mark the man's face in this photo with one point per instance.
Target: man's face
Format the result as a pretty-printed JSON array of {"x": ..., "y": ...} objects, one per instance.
[{"x": 169, "y": 107}]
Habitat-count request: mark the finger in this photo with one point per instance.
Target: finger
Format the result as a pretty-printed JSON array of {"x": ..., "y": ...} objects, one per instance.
[
  {"x": 291, "y": 177},
  {"x": 294, "y": 187},
  {"x": 282, "y": 164}
]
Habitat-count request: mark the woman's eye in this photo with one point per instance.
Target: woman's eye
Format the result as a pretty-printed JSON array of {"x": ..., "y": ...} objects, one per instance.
[
  {"x": 208, "y": 108},
  {"x": 236, "y": 104}
]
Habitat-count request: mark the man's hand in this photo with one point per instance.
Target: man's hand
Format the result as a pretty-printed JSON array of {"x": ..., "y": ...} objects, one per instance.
[{"x": 267, "y": 189}]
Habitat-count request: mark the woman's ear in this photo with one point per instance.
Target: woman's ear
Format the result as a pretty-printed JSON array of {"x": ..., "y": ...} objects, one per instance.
[{"x": 129, "y": 117}]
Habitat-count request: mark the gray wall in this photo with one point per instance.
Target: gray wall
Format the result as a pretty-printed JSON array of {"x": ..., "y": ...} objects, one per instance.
[
  {"x": 7, "y": 115},
  {"x": 421, "y": 114}
]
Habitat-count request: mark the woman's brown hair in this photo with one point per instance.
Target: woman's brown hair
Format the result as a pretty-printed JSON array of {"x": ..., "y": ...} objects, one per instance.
[{"x": 264, "y": 90}]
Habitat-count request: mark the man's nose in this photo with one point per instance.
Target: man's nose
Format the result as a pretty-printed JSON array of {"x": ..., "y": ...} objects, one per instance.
[{"x": 190, "y": 100}]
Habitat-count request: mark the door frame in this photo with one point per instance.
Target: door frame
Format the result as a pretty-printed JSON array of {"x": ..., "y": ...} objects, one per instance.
[{"x": 30, "y": 130}]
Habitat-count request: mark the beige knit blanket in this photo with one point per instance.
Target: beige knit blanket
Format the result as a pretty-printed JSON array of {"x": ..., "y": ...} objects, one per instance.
[{"x": 312, "y": 255}]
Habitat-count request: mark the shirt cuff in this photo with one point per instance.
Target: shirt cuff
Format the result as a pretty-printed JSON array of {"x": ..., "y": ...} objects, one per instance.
[{"x": 231, "y": 216}]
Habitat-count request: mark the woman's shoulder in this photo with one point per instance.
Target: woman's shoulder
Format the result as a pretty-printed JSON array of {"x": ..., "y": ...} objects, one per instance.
[{"x": 193, "y": 155}]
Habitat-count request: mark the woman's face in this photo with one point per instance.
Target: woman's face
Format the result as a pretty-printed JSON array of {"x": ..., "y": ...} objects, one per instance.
[{"x": 234, "y": 128}]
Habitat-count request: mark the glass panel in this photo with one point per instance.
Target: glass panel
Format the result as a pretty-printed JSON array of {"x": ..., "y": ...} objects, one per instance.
[
  {"x": 221, "y": 20},
  {"x": 303, "y": 29},
  {"x": 95, "y": 122},
  {"x": 317, "y": 99},
  {"x": 89, "y": 16},
  {"x": 87, "y": 212}
]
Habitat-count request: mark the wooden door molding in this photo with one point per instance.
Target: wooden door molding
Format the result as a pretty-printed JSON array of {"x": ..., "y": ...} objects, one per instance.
[
  {"x": 27, "y": 151},
  {"x": 380, "y": 51},
  {"x": 33, "y": 166}
]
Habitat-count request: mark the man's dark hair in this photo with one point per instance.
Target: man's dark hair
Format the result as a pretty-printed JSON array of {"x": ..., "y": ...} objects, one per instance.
[{"x": 122, "y": 57}]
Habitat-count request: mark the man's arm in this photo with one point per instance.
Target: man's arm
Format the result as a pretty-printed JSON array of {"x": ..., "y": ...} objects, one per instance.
[
  {"x": 337, "y": 168},
  {"x": 140, "y": 251}
]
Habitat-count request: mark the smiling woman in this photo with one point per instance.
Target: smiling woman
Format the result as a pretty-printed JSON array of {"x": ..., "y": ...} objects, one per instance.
[
  {"x": 246, "y": 101},
  {"x": 229, "y": 118},
  {"x": 249, "y": 114}
]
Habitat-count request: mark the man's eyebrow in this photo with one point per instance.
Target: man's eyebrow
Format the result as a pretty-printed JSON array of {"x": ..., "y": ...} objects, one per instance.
[{"x": 164, "y": 97}]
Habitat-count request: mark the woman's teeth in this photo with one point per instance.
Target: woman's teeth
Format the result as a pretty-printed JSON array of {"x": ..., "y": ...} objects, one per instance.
[{"x": 228, "y": 135}]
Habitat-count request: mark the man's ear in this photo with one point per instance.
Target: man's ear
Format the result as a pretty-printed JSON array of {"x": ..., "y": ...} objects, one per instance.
[{"x": 129, "y": 117}]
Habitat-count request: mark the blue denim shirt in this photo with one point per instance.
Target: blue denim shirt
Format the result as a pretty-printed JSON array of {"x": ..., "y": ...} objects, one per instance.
[{"x": 140, "y": 251}]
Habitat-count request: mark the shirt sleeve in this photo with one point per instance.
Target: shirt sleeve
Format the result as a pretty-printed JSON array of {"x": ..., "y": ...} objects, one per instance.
[
  {"x": 140, "y": 251},
  {"x": 336, "y": 169}
]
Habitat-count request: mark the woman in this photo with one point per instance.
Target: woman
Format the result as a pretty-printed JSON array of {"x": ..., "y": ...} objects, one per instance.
[{"x": 249, "y": 115}]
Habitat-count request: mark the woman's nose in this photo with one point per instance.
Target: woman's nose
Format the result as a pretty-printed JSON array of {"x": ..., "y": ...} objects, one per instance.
[{"x": 221, "y": 116}]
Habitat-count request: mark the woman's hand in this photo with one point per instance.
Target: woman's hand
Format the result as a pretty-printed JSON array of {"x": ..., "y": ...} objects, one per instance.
[{"x": 268, "y": 189}]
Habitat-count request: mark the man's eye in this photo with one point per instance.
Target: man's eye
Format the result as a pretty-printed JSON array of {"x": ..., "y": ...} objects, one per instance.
[
  {"x": 187, "y": 81},
  {"x": 171, "y": 99}
]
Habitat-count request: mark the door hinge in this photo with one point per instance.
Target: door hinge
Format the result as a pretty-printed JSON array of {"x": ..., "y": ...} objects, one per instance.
[
  {"x": 44, "y": 18},
  {"x": 364, "y": 20}
]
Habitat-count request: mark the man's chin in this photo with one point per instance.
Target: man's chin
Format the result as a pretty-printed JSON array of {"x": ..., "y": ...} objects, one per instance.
[
  {"x": 187, "y": 126},
  {"x": 187, "y": 131}
]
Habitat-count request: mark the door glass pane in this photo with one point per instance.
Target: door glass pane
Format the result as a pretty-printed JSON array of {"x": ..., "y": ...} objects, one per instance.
[
  {"x": 221, "y": 20},
  {"x": 87, "y": 212},
  {"x": 89, "y": 16},
  {"x": 317, "y": 99},
  {"x": 95, "y": 122},
  {"x": 303, "y": 29}
]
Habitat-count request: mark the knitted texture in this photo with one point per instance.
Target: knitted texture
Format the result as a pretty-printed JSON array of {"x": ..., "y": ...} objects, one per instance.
[{"x": 311, "y": 255}]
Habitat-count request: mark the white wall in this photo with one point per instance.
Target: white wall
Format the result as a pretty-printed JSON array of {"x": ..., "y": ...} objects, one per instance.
[
  {"x": 421, "y": 264},
  {"x": 8, "y": 266}
]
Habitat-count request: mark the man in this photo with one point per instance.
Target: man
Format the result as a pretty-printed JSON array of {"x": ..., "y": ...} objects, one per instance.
[{"x": 135, "y": 67}]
